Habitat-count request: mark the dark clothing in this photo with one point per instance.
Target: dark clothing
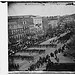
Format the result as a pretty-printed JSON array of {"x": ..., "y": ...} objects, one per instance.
[{"x": 51, "y": 54}]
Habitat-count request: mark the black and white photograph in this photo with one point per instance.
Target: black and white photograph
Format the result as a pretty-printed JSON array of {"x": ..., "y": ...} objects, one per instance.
[{"x": 41, "y": 37}]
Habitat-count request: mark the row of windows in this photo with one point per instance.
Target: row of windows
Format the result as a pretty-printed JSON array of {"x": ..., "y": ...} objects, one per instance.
[
  {"x": 17, "y": 37},
  {"x": 15, "y": 24},
  {"x": 18, "y": 31}
]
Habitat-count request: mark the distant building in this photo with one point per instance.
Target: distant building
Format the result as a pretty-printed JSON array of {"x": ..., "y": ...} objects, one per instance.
[
  {"x": 68, "y": 19},
  {"x": 48, "y": 22},
  {"x": 37, "y": 22},
  {"x": 38, "y": 25},
  {"x": 45, "y": 24},
  {"x": 53, "y": 23}
]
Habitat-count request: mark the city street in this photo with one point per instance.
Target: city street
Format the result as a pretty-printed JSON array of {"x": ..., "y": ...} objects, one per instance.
[
  {"x": 43, "y": 40},
  {"x": 62, "y": 59}
]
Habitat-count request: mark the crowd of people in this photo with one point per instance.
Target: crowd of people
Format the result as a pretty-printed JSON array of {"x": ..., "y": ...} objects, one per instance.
[
  {"x": 33, "y": 51},
  {"x": 22, "y": 57},
  {"x": 45, "y": 45},
  {"x": 23, "y": 44},
  {"x": 13, "y": 48},
  {"x": 43, "y": 61},
  {"x": 13, "y": 67},
  {"x": 47, "y": 59},
  {"x": 39, "y": 63}
]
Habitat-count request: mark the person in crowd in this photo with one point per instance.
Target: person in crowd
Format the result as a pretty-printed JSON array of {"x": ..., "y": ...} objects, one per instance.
[
  {"x": 43, "y": 59},
  {"x": 56, "y": 58},
  {"x": 49, "y": 60},
  {"x": 63, "y": 47},
  {"x": 55, "y": 52},
  {"x": 59, "y": 50},
  {"x": 47, "y": 57},
  {"x": 62, "y": 50},
  {"x": 52, "y": 54},
  {"x": 37, "y": 64}
]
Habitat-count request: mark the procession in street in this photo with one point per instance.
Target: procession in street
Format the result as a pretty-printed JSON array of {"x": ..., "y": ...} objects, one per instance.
[{"x": 39, "y": 41}]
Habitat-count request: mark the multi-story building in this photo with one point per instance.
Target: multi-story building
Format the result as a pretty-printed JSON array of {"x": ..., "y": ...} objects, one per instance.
[
  {"x": 37, "y": 22},
  {"x": 38, "y": 25},
  {"x": 53, "y": 23},
  {"x": 68, "y": 19},
  {"x": 18, "y": 26},
  {"x": 48, "y": 22}
]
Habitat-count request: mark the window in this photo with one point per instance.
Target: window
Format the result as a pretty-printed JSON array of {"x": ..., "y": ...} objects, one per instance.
[
  {"x": 24, "y": 22},
  {"x": 12, "y": 31}
]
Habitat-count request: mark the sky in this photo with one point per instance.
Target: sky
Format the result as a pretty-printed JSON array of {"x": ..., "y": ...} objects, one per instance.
[{"x": 16, "y": 9}]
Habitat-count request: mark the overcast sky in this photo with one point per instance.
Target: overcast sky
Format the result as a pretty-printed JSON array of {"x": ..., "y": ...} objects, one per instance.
[{"x": 39, "y": 9}]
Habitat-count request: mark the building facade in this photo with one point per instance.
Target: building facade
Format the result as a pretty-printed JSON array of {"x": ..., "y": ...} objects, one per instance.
[
  {"x": 37, "y": 22},
  {"x": 18, "y": 26},
  {"x": 53, "y": 23}
]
